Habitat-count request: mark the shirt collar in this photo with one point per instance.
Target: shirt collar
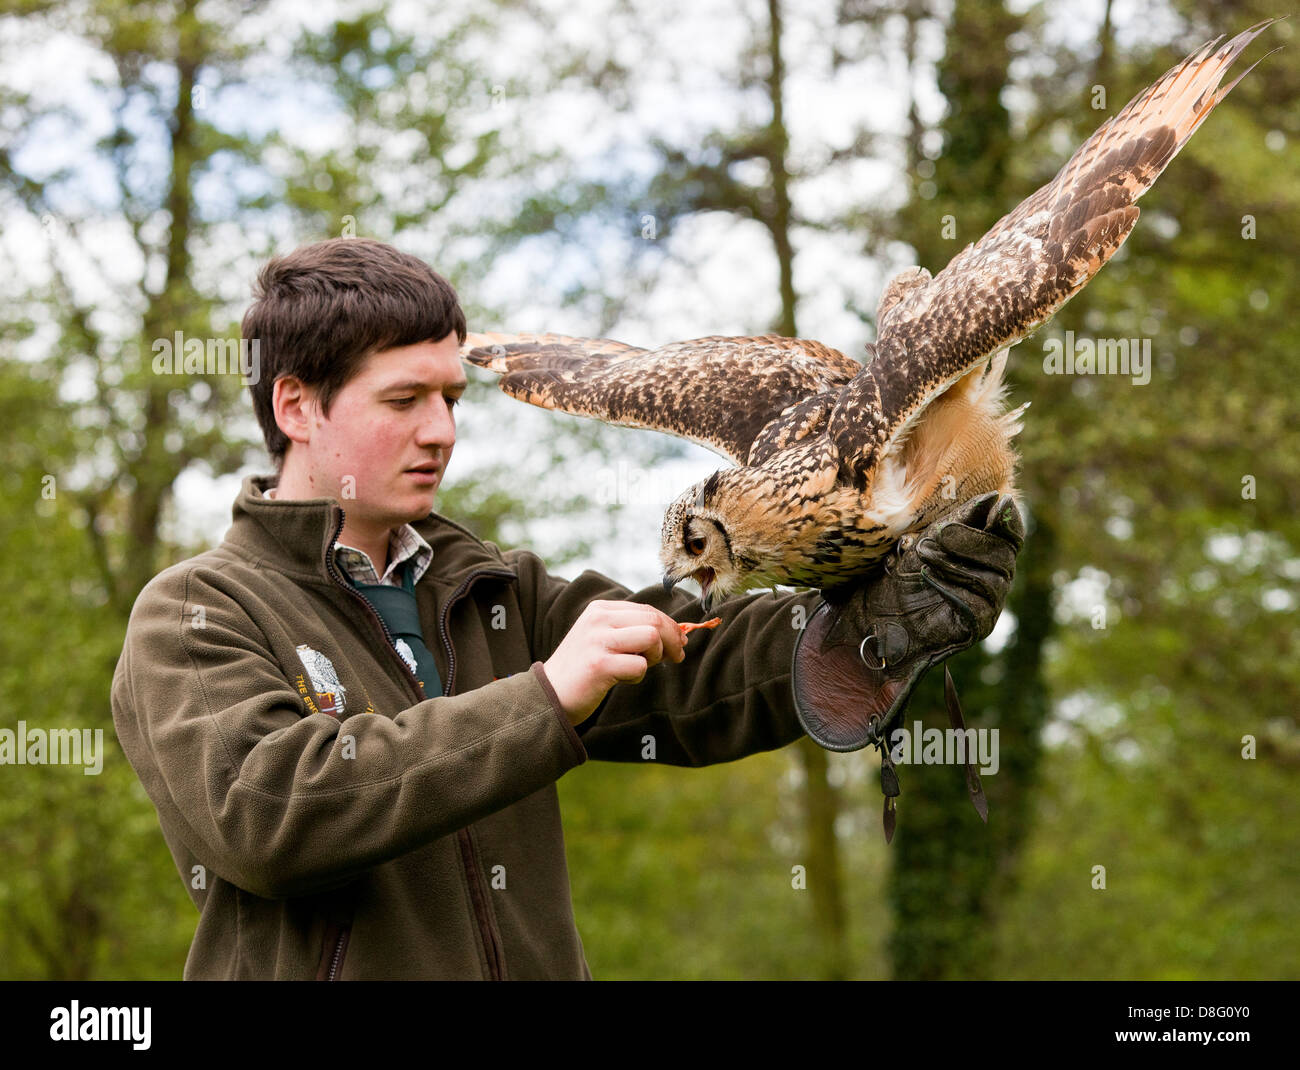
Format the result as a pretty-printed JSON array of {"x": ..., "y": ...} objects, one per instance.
[
  {"x": 404, "y": 544},
  {"x": 297, "y": 538}
]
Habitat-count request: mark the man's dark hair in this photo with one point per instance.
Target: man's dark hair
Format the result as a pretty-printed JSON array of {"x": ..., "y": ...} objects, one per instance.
[{"x": 321, "y": 311}]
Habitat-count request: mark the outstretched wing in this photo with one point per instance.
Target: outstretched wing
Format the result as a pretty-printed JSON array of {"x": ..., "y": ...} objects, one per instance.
[
  {"x": 720, "y": 392},
  {"x": 933, "y": 331}
]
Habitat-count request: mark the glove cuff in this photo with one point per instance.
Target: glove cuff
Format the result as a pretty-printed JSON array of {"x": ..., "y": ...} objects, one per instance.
[{"x": 842, "y": 702}]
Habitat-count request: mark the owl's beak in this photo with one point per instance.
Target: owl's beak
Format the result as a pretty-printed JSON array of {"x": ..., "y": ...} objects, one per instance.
[
  {"x": 704, "y": 577},
  {"x": 670, "y": 581}
]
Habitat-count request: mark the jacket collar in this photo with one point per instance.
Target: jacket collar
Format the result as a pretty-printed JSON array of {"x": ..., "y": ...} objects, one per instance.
[{"x": 294, "y": 536}]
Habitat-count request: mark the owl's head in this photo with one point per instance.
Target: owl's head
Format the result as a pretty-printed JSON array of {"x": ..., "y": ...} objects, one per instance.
[{"x": 704, "y": 539}]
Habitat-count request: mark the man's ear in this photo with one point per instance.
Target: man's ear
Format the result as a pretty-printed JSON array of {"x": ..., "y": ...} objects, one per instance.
[{"x": 295, "y": 406}]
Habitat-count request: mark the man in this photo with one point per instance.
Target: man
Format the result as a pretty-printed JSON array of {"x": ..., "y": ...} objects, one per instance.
[{"x": 352, "y": 713}]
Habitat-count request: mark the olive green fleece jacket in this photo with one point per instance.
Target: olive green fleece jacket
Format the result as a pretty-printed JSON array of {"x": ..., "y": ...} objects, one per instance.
[{"x": 327, "y": 820}]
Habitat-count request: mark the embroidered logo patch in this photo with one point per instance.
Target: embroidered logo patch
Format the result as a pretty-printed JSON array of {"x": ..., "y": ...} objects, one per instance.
[
  {"x": 408, "y": 655},
  {"x": 330, "y": 693}
]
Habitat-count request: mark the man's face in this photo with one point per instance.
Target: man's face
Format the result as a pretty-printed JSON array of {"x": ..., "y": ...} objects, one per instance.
[{"x": 390, "y": 434}]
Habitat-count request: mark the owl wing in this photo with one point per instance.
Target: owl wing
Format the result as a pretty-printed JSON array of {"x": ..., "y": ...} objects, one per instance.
[
  {"x": 933, "y": 331},
  {"x": 720, "y": 392}
]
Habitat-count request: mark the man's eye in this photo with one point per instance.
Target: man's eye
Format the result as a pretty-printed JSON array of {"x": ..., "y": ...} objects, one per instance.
[
  {"x": 401, "y": 402},
  {"x": 452, "y": 402}
]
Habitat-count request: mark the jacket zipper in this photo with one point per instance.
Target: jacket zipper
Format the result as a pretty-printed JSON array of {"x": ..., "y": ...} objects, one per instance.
[
  {"x": 478, "y": 894},
  {"x": 478, "y": 889},
  {"x": 336, "y": 958},
  {"x": 456, "y": 596},
  {"x": 496, "y": 961}
]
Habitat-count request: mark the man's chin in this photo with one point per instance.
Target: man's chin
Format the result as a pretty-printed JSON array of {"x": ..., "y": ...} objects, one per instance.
[
  {"x": 396, "y": 510},
  {"x": 420, "y": 502}
]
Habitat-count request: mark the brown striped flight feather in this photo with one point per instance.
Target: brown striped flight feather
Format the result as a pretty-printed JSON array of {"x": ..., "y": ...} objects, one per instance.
[
  {"x": 932, "y": 331},
  {"x": 720, "y": 392}
]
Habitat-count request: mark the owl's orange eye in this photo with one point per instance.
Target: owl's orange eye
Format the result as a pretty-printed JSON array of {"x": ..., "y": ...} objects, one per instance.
[{"x": 695, "y": 546}]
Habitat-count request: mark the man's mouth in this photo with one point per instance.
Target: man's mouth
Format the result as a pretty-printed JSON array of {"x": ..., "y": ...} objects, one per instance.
[{"x": 425, "y": 472}]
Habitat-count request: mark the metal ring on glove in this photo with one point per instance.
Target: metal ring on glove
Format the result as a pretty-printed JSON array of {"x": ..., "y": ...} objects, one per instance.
[{"x": 863, "y": 654}]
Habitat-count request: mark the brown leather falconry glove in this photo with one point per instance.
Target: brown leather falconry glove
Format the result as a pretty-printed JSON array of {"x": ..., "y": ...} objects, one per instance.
[{"x": 866, "y": 646}]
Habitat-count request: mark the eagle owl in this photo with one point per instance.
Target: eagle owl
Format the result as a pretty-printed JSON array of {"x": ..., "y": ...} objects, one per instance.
[{"x": 836, "y": 460}]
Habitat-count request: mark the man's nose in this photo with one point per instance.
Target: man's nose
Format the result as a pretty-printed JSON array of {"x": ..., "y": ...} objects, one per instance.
[{"x": 438, "y": 428}]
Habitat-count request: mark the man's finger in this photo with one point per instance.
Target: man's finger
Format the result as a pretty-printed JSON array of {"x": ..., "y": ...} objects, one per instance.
[
  {"x": 630, "y": 614},
  {"x": 673, "y": 638},
  {"x": 996, "y": 514},
  {"x": 1007, "y": 523},
  {"x": 641, "y": 639},
  {"x": 989, "y": 587},
  {"x": 627, "y": 668},
  {"x": 670, "y": 635},
  {"x": 978, "y": 548}
]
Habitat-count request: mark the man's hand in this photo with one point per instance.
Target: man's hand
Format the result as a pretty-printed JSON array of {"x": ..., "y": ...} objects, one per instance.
[
  {"x": 865, "y": 648},
  {"x": 611, "y": 643}
]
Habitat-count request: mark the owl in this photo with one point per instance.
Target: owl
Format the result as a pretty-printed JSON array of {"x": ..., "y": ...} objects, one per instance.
[{"x": 833, "y": 461}]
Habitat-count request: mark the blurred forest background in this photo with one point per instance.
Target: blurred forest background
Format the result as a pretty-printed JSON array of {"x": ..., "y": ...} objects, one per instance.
[{"x": 652, "y": 172}]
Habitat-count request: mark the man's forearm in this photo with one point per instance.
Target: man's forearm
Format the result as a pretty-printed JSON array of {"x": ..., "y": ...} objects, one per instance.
[{"x": 731, "y": 696}]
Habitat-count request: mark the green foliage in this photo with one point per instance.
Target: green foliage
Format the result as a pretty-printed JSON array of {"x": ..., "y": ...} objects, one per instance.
[
  {"x": 1135, "y": 481},
  {"x": 87, "y": 887},
  {"x": 688, "y": 874}
]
